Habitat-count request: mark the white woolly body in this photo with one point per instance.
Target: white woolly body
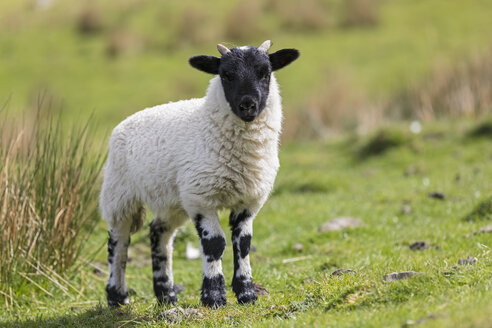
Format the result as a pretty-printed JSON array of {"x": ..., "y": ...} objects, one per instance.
[{"x": 191, "y": 156}]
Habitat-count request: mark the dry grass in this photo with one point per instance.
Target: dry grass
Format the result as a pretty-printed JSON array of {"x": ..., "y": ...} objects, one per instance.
[
  {"x": 89, "y": 20},
  {"x": 361, "y": 13},
  {"x": 195, "y": 27},
  {"x": 242, "y": 23},
  {"x": 48, "y": 197},
  {"x": 308, "y": 15},
  {"x": 464, "y": 90},
  {"x": 452, "y": 92},
  {"x": 334, "y": 107}
]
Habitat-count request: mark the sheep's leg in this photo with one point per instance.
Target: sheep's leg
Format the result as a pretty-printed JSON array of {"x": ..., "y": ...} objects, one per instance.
[
  {"x": 116, "y": 289},
  {"x": 212, "y": 239},
  {"x": 242, "y": 229},
  {"x": 161, "y": 246}
]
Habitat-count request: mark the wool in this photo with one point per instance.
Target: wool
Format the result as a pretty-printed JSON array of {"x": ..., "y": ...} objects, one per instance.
[
  {"x": 191, "y": 154},
  {"x": 190, "y": 159}
]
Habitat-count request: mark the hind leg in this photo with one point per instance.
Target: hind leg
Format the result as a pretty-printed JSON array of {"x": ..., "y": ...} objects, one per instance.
[
  {"x": 161, "y": 247},
  {"x": 118, "y": 242}
]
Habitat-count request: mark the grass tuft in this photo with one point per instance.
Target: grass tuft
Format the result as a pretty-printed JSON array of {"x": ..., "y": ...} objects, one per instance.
[
  {"x": 481, "y": 212},
  {"x": 48, "y": 199},
  {"x": 482, "y": 130},
  {"x": 381, "y": 142}
]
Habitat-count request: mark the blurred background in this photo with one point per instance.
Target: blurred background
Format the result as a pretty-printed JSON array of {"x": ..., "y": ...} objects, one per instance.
[{"x": 364, "y": 62}]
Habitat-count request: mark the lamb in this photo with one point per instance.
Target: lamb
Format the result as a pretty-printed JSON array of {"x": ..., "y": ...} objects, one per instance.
[{"x": 191, "y": 158}]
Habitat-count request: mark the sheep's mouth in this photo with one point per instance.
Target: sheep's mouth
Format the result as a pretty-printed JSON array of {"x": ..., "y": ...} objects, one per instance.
[{"x": 250, "y": 118}]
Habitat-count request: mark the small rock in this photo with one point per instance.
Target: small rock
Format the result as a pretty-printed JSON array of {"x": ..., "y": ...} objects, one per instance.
[
  {"x": 468, "y": 261},
  {"x": 259, "y": 289},
  {"x": 437, "y": 195},
  {"x": 411, "y": 323},
  {"x": 341, "y": 272},
  {"x": 179, "y": 288},
  {"x": 485, "y": 229},
  {"x": 177, "y": 314},
  {"x": 340, "y": 224},
  {"x": 419, "y": 246},
  {"x": 406, "y": 209},
  {"x": 298, "y": 247},
  {"x": 192, "y": 252},
  {"x": 98, "y": 272},
  {"x": 411, "y": 170},
  {"x": 400, "y": 275}
]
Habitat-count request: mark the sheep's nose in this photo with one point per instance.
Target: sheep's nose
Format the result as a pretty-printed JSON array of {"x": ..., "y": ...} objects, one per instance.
[{"x": 247, "y": 104}]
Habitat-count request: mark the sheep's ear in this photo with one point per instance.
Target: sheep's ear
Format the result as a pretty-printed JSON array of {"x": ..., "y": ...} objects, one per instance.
[
  {"x": 283, "y": 58},
  {"x": 207, "y": 64}
]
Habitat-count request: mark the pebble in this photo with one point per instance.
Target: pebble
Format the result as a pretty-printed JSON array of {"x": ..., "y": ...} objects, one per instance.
[
  {"x": 340, "y": 224},
  {"x": 437, "y": 195},
  {"x": 341, "y": 272},
  {"x": 468, "y": 261},
  {"x": 259, "y": 289},
  {"x": 192, "y": 252},
  {"x": 400, "y": 275},
  {"x": 298, "y": 247},
  {"x": 177, "y": 314},
  {"x": 419, "y": 246},
  {"x": 98, "y": 272},
  {"x": 485, "y": 229}
]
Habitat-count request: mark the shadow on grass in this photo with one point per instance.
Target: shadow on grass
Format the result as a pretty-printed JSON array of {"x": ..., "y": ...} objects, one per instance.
[{"x": 99, "y": 316}]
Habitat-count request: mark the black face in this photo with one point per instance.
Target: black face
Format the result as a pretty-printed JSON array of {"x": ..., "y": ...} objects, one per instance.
[{"x": 245, "y": 75}]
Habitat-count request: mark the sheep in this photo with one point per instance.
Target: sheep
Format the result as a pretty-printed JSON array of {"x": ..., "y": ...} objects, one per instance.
[{"x": 191, "y": 158}]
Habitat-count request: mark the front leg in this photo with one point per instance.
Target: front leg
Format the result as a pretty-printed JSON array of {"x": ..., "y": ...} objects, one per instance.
[
  {"x": 212, "y": 239},
  {"x": 242, "y": 230}
]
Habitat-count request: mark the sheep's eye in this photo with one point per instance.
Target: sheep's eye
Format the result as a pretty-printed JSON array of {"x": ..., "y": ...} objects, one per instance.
[
  {"x": 227, "y": 77},
  {"x": 264, "y": 75}
]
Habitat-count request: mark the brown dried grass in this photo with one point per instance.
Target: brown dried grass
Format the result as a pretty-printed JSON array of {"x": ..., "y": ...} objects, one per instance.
[{"x": 48, "y": 197}]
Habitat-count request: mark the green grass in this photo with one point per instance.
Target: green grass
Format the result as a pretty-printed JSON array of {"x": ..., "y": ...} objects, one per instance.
[
  {"x": 318, "y": 182},
  {"x": 41, "y": 51}
]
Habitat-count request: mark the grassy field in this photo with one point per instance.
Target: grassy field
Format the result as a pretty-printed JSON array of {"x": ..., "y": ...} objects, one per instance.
[
  {"x": 44, "y": 52},
  {"x": 386, "y": 187},
  {"x": 111, "y": 58}
]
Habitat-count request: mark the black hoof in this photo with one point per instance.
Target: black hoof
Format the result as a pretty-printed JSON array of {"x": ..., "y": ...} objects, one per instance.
[
  {"x": 116, "y": 298},
  {"x": 165, "y": 294},
  {"x": 213, "y": 292},
  {"x": 247, "y": 297},
  {"x": 244, "y": 290},
  {"x": 214, "y": 299}
]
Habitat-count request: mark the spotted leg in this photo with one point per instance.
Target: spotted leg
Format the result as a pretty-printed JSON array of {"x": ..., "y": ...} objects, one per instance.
[
  {"x": 242, "y": 229},
  {"x": 212, "y": 239},
  {"x": 161, "y": 247},
  {"x": 116, "y": 289}
]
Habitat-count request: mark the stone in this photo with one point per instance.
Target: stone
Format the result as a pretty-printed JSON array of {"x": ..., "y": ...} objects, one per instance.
[
  {"x": 298, "y": 247},
  {"x": 437, "y": 195},
  {"x": 259, "y": 289},
  {"x": 419, "y": 246},
  {"x": 468, "y": 261},
  {"x": 341, "y": 272},
  {"x": 340, "y": 224},
  {"x": 192, "y": 253},
  {"x": 400, "y": 275}
]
